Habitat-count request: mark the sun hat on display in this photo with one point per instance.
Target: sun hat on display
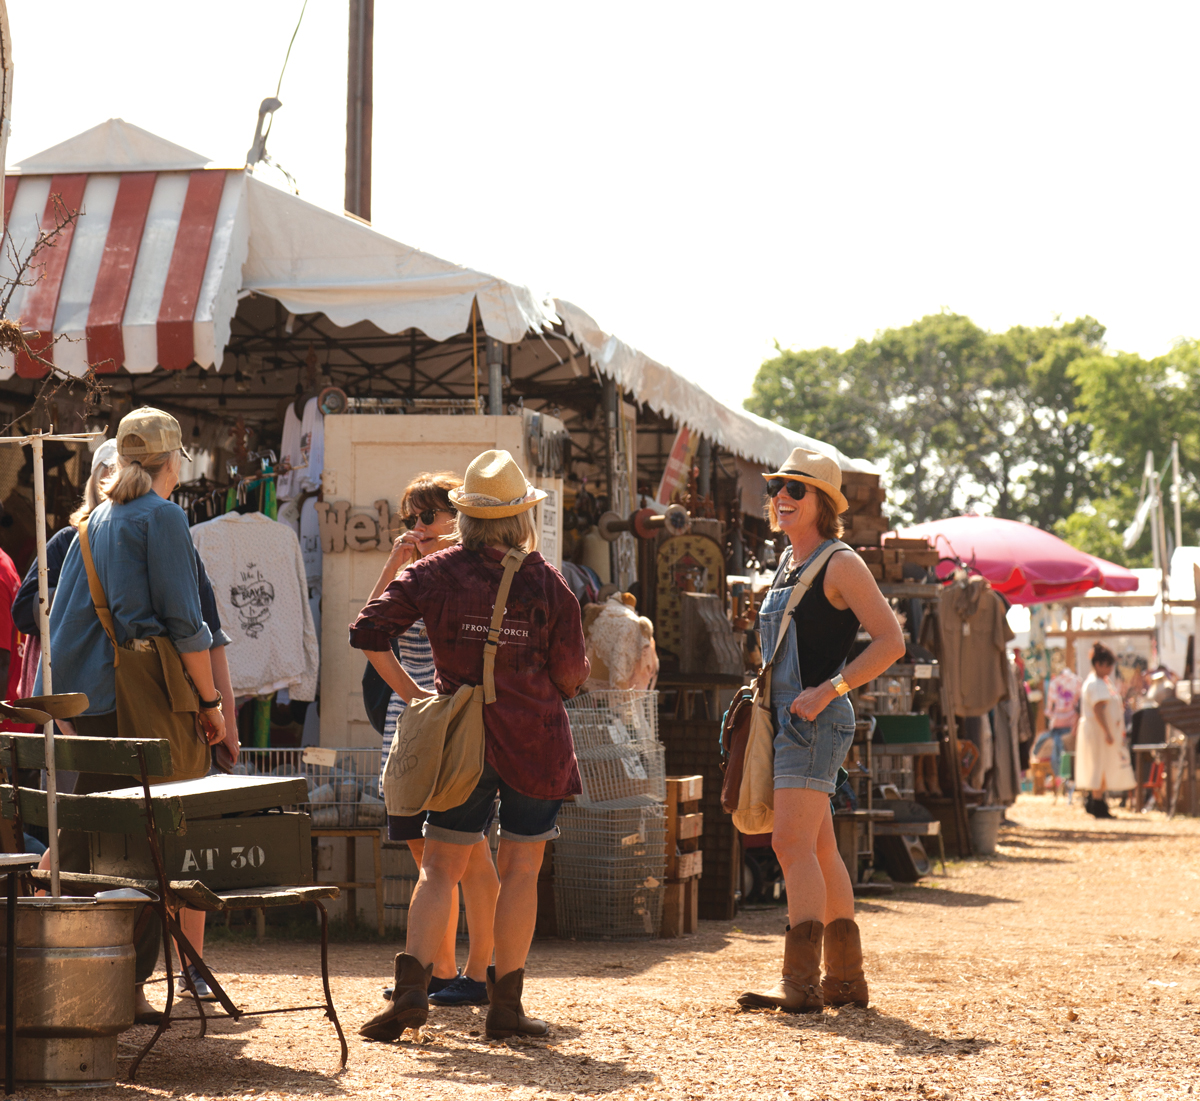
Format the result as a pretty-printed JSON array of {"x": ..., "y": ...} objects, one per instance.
[
  {"x": 817, "y": 470},
  {"x": 148, "y": 431},
  {"x": 105, "y": 454},
  {"x": 494, "y": 487}
]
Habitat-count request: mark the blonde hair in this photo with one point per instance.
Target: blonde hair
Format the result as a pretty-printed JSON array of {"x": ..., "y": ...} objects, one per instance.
[
  {"x": 134, "y": 478},
  {"x": 829, "y": 523},
  {"x": 93, "y": 493},
  {"x": 507, "y": 531}
]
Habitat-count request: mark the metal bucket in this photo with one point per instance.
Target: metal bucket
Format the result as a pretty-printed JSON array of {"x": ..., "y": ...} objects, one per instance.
[
  {"x": 985, "y": 829},
  {"x": 74, "y": 987}
]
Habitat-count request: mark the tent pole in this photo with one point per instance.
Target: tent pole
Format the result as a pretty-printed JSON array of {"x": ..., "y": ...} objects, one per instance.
[
  {"x": 1175, "y": 492},
  {"x": 494, "y": 350},
  {"x": 475, "y": 348},
  {"x": 1165, "y": 622},
  {"x": 39, "y": 504}
]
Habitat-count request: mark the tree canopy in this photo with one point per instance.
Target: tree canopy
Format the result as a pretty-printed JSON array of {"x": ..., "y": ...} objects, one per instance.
[{"x": 1043, "y": 425}]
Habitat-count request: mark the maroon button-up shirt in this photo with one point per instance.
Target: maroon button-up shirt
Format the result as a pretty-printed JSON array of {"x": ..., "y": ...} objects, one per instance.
[{"x": 540, "y": 660}]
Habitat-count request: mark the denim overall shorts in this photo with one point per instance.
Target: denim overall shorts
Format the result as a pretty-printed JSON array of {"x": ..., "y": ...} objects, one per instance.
[{"x": 807, "y": 754}]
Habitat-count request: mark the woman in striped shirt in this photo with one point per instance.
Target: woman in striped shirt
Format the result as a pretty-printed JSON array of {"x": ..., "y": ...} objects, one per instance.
[{"x": 430, "y": 518}]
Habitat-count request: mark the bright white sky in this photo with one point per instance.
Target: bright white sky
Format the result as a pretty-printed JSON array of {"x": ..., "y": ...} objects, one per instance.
[{"x": 704, "y": 178}]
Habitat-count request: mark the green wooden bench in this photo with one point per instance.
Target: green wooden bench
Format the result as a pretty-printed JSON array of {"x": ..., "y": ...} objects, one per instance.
[{"x": 228, "y": 865}]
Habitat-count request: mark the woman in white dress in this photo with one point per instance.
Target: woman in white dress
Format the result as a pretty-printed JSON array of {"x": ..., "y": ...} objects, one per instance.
[{"x": 1102, "y": 757}]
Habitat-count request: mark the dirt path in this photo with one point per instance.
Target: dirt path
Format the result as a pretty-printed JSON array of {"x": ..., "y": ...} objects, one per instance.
[{"x": 1066, "y": 966}]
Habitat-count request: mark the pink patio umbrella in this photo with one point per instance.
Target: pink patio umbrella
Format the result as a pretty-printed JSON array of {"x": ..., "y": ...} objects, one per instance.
[{"x": 1023, "y": 563}]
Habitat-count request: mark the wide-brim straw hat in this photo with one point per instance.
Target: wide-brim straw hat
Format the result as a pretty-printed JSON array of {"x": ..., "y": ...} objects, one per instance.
[
  {"x": 494, "y": 487},
  {"x": 817, "y": 470}
]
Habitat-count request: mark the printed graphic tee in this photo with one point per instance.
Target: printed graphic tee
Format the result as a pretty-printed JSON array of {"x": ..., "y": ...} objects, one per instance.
[
  {"x": 303, "y": 447},
  {"x": 257, "y": 573}
]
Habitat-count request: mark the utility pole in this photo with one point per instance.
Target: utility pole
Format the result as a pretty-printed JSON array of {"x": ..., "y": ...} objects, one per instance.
[
  {"x": 359, "y": 107},
  {"x": 6, "y": 83}
]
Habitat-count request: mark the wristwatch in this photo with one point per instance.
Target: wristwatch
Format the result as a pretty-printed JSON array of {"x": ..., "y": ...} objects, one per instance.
[
  {"x": 839, "y": 684},
  {"x": 211, "y": 705}
]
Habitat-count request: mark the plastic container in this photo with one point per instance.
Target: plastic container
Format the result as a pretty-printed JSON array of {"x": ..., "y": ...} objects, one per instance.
[
  {"x": 902, "y": 729},
  {"x": 985, "y": 829}
]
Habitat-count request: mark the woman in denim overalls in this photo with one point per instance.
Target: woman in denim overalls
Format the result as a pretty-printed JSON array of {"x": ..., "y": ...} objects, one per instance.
[{"x": 814, "y": 727}]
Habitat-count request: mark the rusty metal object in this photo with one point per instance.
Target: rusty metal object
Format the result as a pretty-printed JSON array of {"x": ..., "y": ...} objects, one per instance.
[{"x": 74, "y": 987}]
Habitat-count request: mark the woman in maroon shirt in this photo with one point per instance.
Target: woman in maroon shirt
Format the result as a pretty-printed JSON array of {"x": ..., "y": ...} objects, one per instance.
[{"x": 529, "y": 756}]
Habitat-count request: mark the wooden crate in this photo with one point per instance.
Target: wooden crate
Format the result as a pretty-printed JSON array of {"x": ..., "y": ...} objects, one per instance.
[
  {"x": 225, "y": 854},
  {"x": 681, "y": 903},
  {"x": 685, "y": 858},
  {"x": 693, "y": 746}
]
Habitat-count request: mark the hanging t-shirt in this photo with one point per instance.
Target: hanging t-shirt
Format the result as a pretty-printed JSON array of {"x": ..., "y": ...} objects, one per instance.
[
  {"x": 303, "y": 520},
  {"x": 257, "y": 573},
  {"x": 303, "y": 449},
  {"x": 9, "y": 637},
  {"x": 974, "y": 634},
  {"x": 1063, "y": 702}
]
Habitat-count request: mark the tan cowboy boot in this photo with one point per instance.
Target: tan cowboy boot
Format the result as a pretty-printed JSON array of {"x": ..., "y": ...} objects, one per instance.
[
  {"x": 505, "y": 1015},
  {"x": 844, "y": 982},
  {"x": 798, "y": 990},
  {"x": 409, "y": 1006}
]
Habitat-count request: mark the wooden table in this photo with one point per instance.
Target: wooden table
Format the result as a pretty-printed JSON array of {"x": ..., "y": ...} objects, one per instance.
[
  {"x": 12, "y": 864},
  {"x": 915, "y": 829},
  {"x": 847, "y": 825},
  {"x": 352, "y": 885}
]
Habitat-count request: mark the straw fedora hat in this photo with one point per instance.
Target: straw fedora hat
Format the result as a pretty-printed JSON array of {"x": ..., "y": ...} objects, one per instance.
[
  {"x": 494, "y": 487},
  {"x": 817, "y": 470}
]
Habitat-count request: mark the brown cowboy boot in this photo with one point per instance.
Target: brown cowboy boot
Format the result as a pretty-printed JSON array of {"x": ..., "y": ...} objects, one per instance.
[
  {"x": 409, "y": 1007},
  {"x": 844, "y": 983},
  {"x": 505, "y": 1015},
  {"x": 798, "y": 991}
]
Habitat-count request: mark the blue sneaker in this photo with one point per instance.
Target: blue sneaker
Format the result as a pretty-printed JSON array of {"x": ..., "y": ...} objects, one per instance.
[
  {"x": 203, "y": 991},
  {"x": 462, "y": 991},
  {"x": 435, "y": 984}
]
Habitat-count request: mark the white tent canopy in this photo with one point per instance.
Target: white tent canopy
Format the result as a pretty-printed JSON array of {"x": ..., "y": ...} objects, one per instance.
[
  {"x": 670, "y": 394},
  {"x": 202, "y": 238}
]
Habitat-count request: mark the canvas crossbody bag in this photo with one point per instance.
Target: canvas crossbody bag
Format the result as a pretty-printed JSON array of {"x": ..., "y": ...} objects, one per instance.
[
  {"x": 155, "y": 696},
  {"x": 437, "y": 754},
  {"x": 748, "y": 729}
]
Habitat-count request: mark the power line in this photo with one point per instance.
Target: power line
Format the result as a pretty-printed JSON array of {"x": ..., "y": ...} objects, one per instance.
[{"x": 291, "y": 42}]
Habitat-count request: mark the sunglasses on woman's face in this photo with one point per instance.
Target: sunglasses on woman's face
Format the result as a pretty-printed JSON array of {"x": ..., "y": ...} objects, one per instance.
[
  {"x": 426, "y": 516},
  {"x": 795, "y": 490}
]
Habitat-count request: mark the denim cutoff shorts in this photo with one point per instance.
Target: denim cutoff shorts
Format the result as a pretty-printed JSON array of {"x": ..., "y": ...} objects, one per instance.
[
  {"x": 808, "y": 754},
  {"x": 522, "y": 817}
]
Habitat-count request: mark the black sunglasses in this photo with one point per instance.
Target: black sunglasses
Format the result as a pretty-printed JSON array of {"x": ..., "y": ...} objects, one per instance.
[
  {"x": 795, "y": 490},
  {"x": 426, "y": 516}
]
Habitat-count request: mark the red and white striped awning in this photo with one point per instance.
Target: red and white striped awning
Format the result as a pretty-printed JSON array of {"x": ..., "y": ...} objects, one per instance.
[{"x": 148, "y": 272}]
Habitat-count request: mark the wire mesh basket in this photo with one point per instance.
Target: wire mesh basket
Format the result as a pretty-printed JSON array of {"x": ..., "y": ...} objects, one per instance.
[
  {"x": 623, "y": 775},
  {"x": 343, "y": 784},
  {"x": 609, "y": 865},
  {"x": 616, "y": 741},
  {"x": 612, "y": 717}
]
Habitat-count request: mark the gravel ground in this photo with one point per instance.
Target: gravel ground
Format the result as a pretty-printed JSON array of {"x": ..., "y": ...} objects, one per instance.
[{"x": 1065, "y": 966}]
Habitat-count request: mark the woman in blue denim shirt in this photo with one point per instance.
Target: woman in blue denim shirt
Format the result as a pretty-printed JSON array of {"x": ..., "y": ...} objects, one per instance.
[
  {"x": 814, "y": 728},
  {"x": 146, "y": 564}
]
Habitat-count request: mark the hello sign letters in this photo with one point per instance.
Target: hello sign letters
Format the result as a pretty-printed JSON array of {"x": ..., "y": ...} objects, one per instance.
[{"x": 352, "y": 527}]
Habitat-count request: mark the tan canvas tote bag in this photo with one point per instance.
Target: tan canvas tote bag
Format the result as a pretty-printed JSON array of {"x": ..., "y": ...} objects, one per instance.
[
  {"x": 155, "y": 696},
  {"x": 436, "y": 757},
  {"x": 756, "y": 795}
]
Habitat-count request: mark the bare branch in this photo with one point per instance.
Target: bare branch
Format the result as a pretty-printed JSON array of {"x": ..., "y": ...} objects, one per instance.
[{"x": 13, "y": 340}]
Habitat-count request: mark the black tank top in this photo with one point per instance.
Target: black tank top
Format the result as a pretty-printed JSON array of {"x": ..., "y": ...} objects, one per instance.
[{"x": 824, "y": 634}]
